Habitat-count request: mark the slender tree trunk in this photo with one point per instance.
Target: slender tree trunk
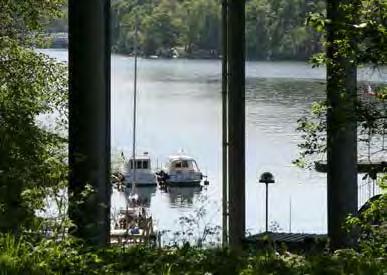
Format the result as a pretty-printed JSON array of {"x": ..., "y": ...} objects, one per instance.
[
  {"x": 341, "y": 123},
  {"x": 224, "y": 126},
  {"x": 236, "y": 121},
  {"x": 89, "y": 119}
]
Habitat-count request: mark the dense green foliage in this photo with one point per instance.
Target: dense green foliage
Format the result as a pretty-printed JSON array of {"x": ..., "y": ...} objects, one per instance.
[
  {"x": 25, "y": 256},
  {"x": 371, "y": 33},
  {"x": 51, "y": 258},
  {"x": 32, "y": 93},
  {"x": 274, "y": 29},
  {"x": 363, "y": 42}
]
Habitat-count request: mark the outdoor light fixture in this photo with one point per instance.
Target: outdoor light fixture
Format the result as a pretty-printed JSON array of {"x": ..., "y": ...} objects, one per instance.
[{"x": 267, "y": 178}]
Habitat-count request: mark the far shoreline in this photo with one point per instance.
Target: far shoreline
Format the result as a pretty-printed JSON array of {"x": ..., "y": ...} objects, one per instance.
[{"x": 191, "y": 57}]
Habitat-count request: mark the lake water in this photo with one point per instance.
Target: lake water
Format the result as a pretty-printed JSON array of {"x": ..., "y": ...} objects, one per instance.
[{"x": 179, "y": 107}]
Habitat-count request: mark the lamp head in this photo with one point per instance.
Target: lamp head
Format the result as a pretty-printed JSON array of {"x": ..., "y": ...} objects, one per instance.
[{"x": 267, "y": 177}]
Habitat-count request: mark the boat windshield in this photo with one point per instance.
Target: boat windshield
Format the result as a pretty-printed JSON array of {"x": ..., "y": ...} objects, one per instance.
[
  {"x": 195, "y": 166},
  {"x": 184, "y": 164}
]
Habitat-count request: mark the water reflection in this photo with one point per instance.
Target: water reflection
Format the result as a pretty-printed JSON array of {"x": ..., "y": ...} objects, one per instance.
[
  {"x": 119, "y": 201},
  {"x": 182, "y": 196},
  {"x": 145, "y": 195}
]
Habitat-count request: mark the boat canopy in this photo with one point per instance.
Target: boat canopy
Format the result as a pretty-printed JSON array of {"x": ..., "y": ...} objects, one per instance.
[{"x": 180, "y": 157}]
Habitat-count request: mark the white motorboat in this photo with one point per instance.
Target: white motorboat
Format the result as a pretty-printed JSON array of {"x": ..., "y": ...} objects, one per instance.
[
  {"x": 182, "y": 170},
  {"x": 138, "y": 171}
]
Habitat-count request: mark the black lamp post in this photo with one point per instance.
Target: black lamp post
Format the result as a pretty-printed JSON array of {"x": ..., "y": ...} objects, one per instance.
[{"x": 267, "y": 178}]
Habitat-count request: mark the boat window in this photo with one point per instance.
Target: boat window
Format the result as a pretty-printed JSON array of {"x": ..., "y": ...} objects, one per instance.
[
  {"x": 131, "y": 164},
  {"x": 195, "y": 166},
  {"x": 191, "y": 164},
  {"x": 145, "y": 164},
  {"x": 184, "y": 164},
  {"x": 178, "y": 164},
  {"x": 138, "y": 164}
]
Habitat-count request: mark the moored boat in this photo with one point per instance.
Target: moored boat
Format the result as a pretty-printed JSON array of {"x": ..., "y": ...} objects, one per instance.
[
  {"x": 139, "y": 171},
  {"x": 181, "y": 170}
]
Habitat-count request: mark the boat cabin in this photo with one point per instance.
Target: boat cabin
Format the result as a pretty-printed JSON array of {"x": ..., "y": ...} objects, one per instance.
[
  {"x": 183, "y": 170},
  {"x": 139, "y": 171},
  {"x": 140, "y": 163},
  {"x": 182, "y": 163}
]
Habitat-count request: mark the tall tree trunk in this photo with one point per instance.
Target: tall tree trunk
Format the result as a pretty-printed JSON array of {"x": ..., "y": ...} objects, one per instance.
[
  {"x": 89, "y": 119},
  {"x": 224, "y": 126},
  {"x": 341, "y": 122},
  {"x": 236, "y": 121}
]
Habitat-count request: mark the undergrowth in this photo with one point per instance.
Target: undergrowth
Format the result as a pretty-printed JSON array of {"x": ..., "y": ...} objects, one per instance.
[{"x": 27, "y": 255}]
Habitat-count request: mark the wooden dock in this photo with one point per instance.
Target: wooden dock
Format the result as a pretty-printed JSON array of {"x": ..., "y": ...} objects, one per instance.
[{"x": 363, "y": 166}]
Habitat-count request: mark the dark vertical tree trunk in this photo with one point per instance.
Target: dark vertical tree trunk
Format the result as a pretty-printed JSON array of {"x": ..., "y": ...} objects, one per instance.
[
  {"x": 224, "y": 127},
  {"x": 89, "y": 119},
  {"x": 236, "y": 121},
  {"x": 341, "y": 123}
]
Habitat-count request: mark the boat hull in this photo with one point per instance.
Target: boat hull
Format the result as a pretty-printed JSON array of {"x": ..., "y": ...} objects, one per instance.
[
  {"x": 184, "y": 183},
  {"x": 141, "y": 184},
  {"x": 184, "y": 176},
  {"x": 142, "y": 179}
]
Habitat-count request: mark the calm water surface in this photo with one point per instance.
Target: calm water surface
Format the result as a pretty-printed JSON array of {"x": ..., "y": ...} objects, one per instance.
[{"x": 179, "y": 107}]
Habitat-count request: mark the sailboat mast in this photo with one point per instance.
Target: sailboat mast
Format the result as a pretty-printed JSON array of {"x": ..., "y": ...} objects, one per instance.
[{"x": 134, "y": 106}]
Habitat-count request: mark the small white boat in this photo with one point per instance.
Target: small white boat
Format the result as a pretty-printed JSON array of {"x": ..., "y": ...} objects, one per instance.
[
  {"x": 139, "y": 171},
  {"x": 182, "y": 170}
]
